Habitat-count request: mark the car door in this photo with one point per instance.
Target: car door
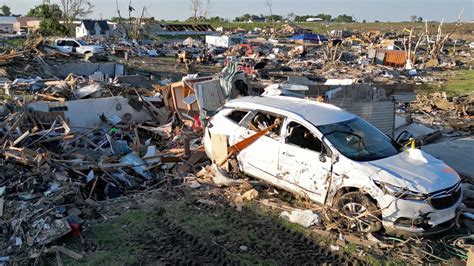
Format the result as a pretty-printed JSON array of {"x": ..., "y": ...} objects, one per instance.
[
  {"x": 261, "y": 157},
  {"x": 70, "y": 46},
  {"x": 76, "y": 47},
  {"x": 61, "y": 45},
  {"x": 304, "y": 161}
]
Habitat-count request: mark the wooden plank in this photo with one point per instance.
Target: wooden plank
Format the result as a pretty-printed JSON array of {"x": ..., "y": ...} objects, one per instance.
[
  {"x": 219, "y": 148},
  {"x": 470, "y": 257},
  {"x": 20, "y": 138},
  {"x": 68, "y": 252},
  {"x": 188, "y": 164}
]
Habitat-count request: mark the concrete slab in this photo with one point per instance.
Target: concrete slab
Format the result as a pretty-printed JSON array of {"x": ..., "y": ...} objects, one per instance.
[{"x": 459, "y": 154}]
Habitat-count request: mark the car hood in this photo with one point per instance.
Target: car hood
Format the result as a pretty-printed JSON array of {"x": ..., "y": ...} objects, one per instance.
[{"x": 415, "y": 170}]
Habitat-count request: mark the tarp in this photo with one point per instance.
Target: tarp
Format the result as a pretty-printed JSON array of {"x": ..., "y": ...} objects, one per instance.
[{"x": 309, "y": 37}]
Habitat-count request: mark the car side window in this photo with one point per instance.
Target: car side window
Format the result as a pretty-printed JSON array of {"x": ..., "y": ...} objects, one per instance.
[
  {"x": 262, "y": 120},
  {"x": 60, "y": 42},
  {"x": 302, "y": 137},
  {"x": 237, "y": 115},
  {"x": 75, "y": 44}
]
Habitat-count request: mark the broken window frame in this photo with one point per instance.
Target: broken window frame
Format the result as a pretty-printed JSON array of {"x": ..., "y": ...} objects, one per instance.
[
  {"x": 228, "y": 116},
  {"x": 252, "y": 114},
  {"x": 325, "y": 150}
]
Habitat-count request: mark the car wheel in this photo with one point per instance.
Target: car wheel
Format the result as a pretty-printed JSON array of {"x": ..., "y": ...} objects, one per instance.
[{"x": 357, "y": 212}]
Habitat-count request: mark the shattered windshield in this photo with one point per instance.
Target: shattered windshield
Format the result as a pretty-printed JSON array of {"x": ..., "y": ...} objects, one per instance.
[{"x": 359, "y": 141}]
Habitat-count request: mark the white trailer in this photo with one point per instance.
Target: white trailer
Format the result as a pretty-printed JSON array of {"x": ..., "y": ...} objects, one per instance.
[{"x": 223, "y": 41}]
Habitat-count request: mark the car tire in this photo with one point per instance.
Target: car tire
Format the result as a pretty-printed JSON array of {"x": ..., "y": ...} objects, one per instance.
[{"x": 355, "y": 204}]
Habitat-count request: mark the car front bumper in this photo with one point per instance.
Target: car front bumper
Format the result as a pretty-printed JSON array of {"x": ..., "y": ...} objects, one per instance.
[{"x": 409, "y": 217}]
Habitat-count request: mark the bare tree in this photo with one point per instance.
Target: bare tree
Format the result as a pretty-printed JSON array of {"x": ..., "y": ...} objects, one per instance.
[
  {"x": 195, "y": 7},
  {"x": 291, "y": 16},
  {"x": 437, "y": 45},
  {"x": 270, "y": 8},
  {"x": 73, "y": 9},
  {"x": 206, "y": 9},
  {"x": 413, "y": 18},
  {"x": 121, "y": 21},
  {"x": 410, "y": 49},
  {"x": 199, "y": 9}
]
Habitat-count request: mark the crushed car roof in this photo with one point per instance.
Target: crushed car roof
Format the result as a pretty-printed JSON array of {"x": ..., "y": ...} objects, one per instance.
[{"x": 314, "y": 112}]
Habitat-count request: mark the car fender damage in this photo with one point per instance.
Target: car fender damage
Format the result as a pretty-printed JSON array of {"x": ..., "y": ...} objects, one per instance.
[{"x": 327, "y": 164}]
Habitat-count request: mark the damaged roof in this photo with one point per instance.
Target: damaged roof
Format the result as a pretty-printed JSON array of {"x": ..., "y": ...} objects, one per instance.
[
  {"x": 314, "y": 112},
  {"x": 90, "y": 24}
]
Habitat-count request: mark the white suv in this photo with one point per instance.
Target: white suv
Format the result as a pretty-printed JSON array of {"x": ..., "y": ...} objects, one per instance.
[
  {"x": 339, "y": 160},
  {"x": 69, "y": 45}
]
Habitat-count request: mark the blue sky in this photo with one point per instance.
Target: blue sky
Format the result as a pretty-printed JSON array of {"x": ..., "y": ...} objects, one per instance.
[{"x": 383, "y": 10}]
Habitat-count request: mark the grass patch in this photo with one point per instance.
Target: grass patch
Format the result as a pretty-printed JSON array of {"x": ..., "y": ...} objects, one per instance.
[
  {"x": 112, "y": 240},
  {"x": 461, "y": 83}
]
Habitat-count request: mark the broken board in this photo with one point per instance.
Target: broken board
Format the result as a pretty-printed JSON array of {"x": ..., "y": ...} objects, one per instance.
[{"x": 219, "y": 148}]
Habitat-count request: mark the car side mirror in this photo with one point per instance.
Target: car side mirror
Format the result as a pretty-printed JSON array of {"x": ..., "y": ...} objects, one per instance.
[{"x": 322, "y": 158}]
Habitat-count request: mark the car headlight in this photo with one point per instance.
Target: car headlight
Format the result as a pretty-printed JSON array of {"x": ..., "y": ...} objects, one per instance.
[{"x": 401, "y": 193}]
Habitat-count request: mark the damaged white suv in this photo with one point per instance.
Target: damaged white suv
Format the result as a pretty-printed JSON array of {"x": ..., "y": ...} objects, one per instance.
[{"x": 339, "y": 160}]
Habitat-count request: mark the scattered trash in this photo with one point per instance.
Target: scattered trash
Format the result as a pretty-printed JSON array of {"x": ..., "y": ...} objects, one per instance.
[{"x": 305, "y": 218}]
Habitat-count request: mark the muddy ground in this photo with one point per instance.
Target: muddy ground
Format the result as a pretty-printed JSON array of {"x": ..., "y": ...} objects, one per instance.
[
  {"x": 204, "y": 226},
  {"x": 182, "y": 228}
]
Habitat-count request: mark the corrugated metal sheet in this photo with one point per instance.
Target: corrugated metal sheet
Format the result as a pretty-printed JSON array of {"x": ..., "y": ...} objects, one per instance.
[
  {"x": 380, "y": 57},
  {"x": 404, "y": 97},
  {"x": 379, "y": 114},
  {"x": 209, "y": 95},
  {"x": 395, "y": 58}
]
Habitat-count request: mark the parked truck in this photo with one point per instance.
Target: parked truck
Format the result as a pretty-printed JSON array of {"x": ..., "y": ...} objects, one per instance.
[{"x": 70, "y": 45}]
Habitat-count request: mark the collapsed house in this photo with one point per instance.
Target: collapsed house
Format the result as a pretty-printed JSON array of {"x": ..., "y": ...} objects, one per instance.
[{"x": 75, "y": 133}]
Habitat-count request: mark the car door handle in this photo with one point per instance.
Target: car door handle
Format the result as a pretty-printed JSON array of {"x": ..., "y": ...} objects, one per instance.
[{"x": 288, "y": 154}]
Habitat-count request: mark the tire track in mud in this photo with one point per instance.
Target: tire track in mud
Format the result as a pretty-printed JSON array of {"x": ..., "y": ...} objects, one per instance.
[
  {"x": 289, "y": 246},
  {"x": 169, "y": 243}
]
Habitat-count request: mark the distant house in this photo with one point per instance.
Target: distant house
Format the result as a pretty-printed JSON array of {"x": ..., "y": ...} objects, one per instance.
[
  {"x": 29, "y": 24},
  {"x": 117, "y": 30},
  {"x": 314, "y": 20},
  {"x": 93, "y": 28},
  {"x": 9, "y": 24},
  {"x": 257, "y": 19}
]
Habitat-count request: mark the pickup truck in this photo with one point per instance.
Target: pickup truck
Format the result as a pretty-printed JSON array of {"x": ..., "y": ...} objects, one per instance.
[{"x": 69, "y": 45}]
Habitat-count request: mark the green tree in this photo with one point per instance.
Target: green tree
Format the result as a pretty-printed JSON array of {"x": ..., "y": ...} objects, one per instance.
[
  {"x": 243, "y": 18},
  {"x": 6, "y": 10},
  {"x": 274, "y": 17},
  {"x": 344, "y": 18},
  {"x": 50, "y": 16},
  {"x": 324, "y": 17}
]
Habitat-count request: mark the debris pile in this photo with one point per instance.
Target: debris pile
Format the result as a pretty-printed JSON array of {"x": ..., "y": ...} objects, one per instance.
[
  {"x": 54, "y": 175},
  {"x": 455, "y": 112}
]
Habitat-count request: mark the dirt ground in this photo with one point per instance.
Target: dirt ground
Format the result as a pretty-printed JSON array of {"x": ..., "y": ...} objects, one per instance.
[
  {"x": 167, "y": 68},
  {"x": 179, "y": 225},
  {"x": 178, "y": 228}
]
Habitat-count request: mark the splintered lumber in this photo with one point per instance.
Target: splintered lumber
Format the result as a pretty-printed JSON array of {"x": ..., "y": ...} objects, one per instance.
[{"x": 188, "y": 164}]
